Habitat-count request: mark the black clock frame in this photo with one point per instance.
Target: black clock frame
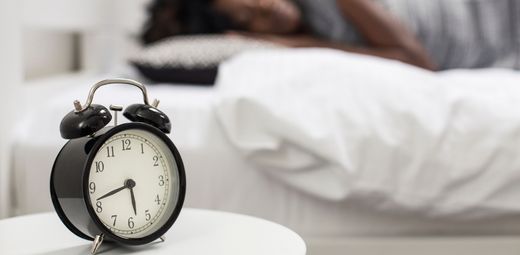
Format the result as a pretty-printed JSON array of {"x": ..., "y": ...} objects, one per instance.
[{"x": 69, "y": 185}]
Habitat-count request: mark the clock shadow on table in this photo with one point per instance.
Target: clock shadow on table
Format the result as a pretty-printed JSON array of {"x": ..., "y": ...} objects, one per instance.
[{"x": 106, "y": 248}]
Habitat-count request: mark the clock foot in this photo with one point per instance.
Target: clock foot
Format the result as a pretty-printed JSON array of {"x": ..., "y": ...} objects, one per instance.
[
  {"x": 163, "y": 238},
  {"x": 98, "y": 240}
]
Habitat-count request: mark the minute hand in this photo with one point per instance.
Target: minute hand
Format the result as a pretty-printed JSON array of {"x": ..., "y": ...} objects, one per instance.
[{"x": 112, "y": 192}]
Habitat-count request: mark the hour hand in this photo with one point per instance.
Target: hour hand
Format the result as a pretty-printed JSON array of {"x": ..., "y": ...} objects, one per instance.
[
  {"x": 112, "y": 192},
  {"x": 133, "y": 200}
]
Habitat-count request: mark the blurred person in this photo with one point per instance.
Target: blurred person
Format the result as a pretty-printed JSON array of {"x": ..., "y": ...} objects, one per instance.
[{"x": 432, "y": 34}]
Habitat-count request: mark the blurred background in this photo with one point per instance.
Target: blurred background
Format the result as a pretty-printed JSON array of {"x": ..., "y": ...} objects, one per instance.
[
  {"x": 46, "y": 39},
  {"x": 368, "y": 151}
]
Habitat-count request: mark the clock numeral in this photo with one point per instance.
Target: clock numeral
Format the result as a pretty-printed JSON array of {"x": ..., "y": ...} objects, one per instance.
[
  {"x": 148, "y": 215},
  {"x": 92, "y": 187},
  {"x": 130, "y": 222},
  {"x": 126, "y": 144},
  {"x": 100, "y": 166},
  {"x": 156, "y": 161},
  {"x": 161, "y": 180},
  {"x": 157, "y": 200},
  {"x": 115, "y": 218},
  {"x": 99, "y": 209},
  {"x": 110, "y": 151},
  {"x": 142, "y": 148}
]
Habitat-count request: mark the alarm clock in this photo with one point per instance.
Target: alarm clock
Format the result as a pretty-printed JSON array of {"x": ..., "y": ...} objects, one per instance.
[{"x": 123, "y": 183}]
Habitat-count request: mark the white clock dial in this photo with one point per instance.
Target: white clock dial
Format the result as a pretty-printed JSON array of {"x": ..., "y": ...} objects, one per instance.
[{"x": 133, "y": 183}]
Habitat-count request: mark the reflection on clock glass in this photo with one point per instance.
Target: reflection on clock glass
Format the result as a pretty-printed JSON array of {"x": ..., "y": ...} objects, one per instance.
[{"x": 133, "y": 183}]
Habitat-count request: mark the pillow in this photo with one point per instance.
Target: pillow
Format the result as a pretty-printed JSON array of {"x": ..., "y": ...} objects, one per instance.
[{"x": 191, "y": 59}]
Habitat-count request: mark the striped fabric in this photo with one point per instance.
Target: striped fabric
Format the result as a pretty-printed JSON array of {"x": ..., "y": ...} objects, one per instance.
[{"x": 456, "y": 33}]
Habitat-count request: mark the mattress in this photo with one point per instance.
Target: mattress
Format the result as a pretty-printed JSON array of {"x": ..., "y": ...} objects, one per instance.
[{"x": 217, "y": 177}]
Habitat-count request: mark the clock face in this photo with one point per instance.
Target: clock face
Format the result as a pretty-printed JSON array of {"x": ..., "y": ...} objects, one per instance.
[{"x": 133, "y": 183}]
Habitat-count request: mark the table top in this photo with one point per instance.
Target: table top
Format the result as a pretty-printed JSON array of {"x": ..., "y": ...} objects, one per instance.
[{"x": 195, "y": 232}]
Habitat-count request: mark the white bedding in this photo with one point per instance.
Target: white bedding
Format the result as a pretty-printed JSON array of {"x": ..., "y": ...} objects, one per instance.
[
  {"x": 338, "y": 126},
  {"x": 219, "y": 177}
]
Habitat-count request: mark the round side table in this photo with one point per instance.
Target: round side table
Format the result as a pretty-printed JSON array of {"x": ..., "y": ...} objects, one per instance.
[{"x": 199, "y": 232}]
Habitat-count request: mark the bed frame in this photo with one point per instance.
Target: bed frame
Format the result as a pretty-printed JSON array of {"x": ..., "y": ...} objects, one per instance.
[{"x": 100, "y": 24}]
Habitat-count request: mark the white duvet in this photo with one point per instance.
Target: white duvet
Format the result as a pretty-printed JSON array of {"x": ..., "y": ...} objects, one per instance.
[{"x": 340, "y": 126}]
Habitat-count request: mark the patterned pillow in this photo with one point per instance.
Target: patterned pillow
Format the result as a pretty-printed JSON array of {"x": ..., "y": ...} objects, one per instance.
[{"x": 191, "y": 59}]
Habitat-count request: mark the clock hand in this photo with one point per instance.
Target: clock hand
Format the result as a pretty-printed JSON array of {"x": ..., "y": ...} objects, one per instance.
[
  {"x": 133, "y": 200},
  {"x": 128, "y": 184},
  {"x": 112, "y": 192}
]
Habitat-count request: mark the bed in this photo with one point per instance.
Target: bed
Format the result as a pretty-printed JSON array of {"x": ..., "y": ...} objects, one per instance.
[{"x": 221, "y": 177}]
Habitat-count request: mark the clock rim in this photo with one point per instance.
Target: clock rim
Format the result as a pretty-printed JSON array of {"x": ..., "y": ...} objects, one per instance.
[
  {"x": 58, "y": 207},
  {"x": 182, "y": 184}
]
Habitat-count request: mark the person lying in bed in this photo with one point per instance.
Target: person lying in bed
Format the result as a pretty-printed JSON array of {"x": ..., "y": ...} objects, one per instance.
[{"x": 432, "y": 34}]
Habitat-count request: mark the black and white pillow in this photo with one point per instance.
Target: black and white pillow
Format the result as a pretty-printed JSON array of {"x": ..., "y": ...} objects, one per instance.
[{"x": 191, "y": 59}]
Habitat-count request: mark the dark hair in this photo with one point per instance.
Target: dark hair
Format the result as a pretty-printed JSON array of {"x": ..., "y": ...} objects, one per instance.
[{"x": 183, "y": 17}]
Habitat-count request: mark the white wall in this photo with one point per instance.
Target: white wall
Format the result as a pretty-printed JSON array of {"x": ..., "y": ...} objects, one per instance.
[
  {"x": 51, "y": 33},
  {"x": 10, "y": 73},
  {"x": 105, "y": 48},
  {"x": 47, "y": 53},
  {"x": 102, "y": 27},
  {"x": 37, "y": 36}
]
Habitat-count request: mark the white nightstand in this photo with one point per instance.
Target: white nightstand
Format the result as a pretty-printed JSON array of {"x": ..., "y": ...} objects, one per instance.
[{"x": 195, "y": 232}]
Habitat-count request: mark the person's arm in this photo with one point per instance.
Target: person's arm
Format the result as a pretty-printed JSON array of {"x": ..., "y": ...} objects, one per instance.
[
  {"x": 385, "y": 35},
  {"x": 304, "y": 41}
]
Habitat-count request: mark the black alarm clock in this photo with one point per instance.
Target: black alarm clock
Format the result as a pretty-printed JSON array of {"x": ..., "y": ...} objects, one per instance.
[{"x": 123, "y": 183}]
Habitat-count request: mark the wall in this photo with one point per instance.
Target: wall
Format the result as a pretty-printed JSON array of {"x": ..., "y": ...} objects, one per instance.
[
  {"x": 54, "y": 33},
  {"x": 60, "y": 36},
  {"x": 10, "y": 73},
  {"x": 51, "y": 33},
  {"x": 38, "y": 40},
  {"x": 47, "y": 53},
  {"x": 103, "y": 49}
]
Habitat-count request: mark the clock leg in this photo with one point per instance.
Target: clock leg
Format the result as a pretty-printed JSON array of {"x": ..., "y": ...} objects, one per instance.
[
  {"x": 97, "y": 243},
  {"x": 163, "y": 238}
]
